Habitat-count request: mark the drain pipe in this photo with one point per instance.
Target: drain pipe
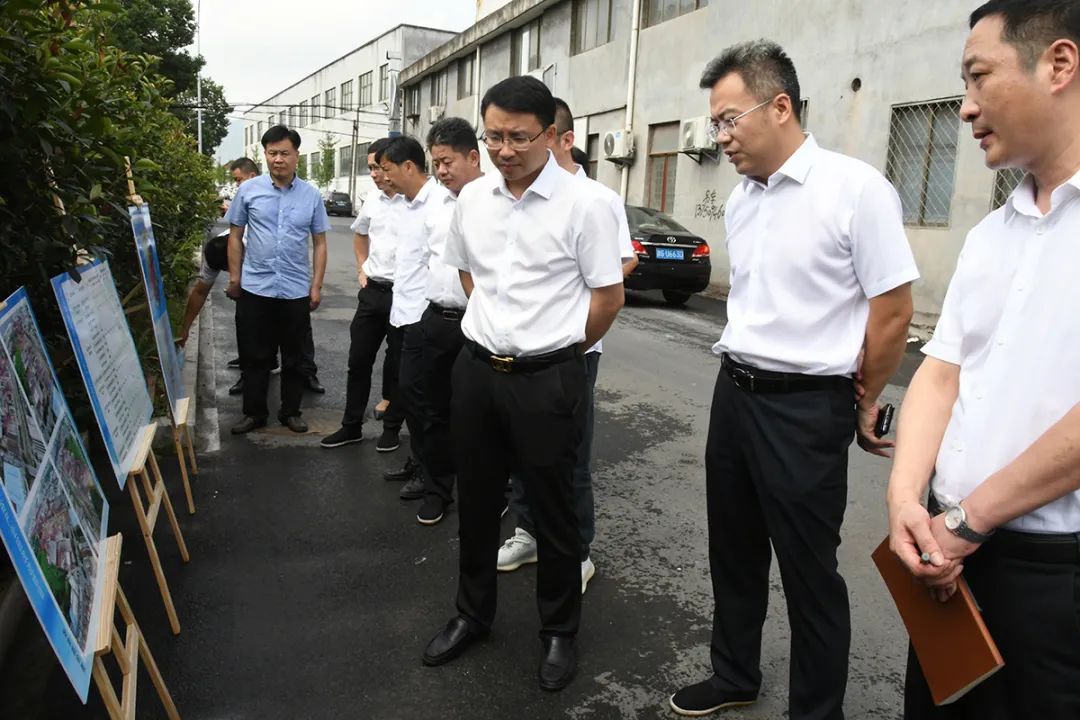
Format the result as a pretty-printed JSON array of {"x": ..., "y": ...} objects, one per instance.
[{"x": 631, "y": 83}]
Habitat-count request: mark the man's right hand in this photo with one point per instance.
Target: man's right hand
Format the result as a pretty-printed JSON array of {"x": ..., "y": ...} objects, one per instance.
[
  {"x": 910, "y": 535},
  {"x": 362, "y": 278},
  {"x": 233, "y": 289}
]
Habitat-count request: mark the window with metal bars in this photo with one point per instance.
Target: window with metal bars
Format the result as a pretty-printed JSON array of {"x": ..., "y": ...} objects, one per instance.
[
  {"x": 384, "y": 81},
  {"x": 921, "y": 163},
  {"x": 365, "y": 89},
  {"x": 662, "y": 166},
  {"x": 345, "y": 160},
  {"x": 330, "y": 103},
  {"x": 347, "y": 95},
  {"x": 658, "y": 11},
  {"x": 465, "y": 76},
  {"x": 1005, "y": 181},
  {"x": 590, "y": 25},
  {"x": 303, "y": 114},
  {"x": 525, "y": 48}
]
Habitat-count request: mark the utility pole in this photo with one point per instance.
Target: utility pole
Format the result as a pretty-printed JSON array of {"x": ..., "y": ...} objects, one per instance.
[
  {"x": 352, "y": 170},
  {"x": 394, "y": 59}
]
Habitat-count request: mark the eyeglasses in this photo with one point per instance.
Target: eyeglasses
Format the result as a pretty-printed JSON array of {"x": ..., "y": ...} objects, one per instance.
[
  {"x": 727, "y": 127},
  {"x": 517, "y": 141}
]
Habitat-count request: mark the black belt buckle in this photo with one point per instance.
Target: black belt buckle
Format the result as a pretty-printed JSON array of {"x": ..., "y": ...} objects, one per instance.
[
  {"x": 451, "y": 314},
  {"x": 502, "y": 364},
  {"x": 740, "y": 376}
]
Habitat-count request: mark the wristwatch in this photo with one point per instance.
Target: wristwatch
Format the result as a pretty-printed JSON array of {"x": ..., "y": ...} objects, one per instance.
[{"x": 956, "y": 523}]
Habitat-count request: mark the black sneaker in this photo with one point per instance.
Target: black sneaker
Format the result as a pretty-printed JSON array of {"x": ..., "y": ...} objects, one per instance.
[
  {"x": 388, "y": 441},
  {"x": 412, "y": 490},
  {"x": 405, "y": 472},
  {"x": 234, "y": 364},
  {"x": 703, "y": 699},
  {"x": 237, "y": 387},
  {"x": 347, "y": 434},
  {"x": 431, "y": 510}
]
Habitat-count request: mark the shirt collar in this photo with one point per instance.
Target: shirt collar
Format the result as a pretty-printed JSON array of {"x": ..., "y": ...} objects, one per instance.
[
  {"x": 422, "y": 196},
  {"x": 1022, "y": 198},
  {"x": 581, "y": 172},
  {"x": 286, "y": 187},
  {"x": 797, "y": 167},
  {"x": 543, "y": 185}
]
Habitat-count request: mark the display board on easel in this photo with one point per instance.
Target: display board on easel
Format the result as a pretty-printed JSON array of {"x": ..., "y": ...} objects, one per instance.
[
  {"x": 53, "y": 514},
  {"x": 110, "y": 368}
]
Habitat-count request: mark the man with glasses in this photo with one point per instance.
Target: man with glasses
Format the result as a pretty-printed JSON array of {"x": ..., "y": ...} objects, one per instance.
[
  {"x": 821, "y": 274},
  {"x": 272, "y": 279},
  {"x": 539, "y": 260}
]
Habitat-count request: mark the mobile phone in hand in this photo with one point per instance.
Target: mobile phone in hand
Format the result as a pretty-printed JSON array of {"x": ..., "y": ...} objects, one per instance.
[{"x": 884, "y": 420}]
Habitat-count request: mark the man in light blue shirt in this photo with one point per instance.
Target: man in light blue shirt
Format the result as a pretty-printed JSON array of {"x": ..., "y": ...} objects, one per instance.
[{"x": 271, "y": 279}]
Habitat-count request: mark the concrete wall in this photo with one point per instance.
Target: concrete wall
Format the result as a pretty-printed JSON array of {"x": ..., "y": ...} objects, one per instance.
[
  {"x": 901, "y": 53},
  {"x": 412, "y": 42}
]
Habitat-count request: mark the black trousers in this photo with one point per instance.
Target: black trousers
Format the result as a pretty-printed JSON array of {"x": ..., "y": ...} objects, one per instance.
[
  {"x": 307, "y": 368},
  {"x": 410, "y": 399},
  {"x": 527, "y": 424},
  {"x": 1031, "y": 606},
  {"x": 442, "y": 343},
  {"x": 370, "y": 326},
  {"x": 584, "y": 505},
  {"x": 267, "y": 326},
  {"x": 776, "y": 470}
]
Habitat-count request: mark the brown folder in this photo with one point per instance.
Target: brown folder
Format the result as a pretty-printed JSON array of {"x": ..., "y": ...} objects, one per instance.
[{"x": 950, "y": 638}]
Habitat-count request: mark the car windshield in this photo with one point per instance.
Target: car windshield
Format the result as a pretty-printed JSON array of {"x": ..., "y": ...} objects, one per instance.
[
  {"x": 643, "y": 219},
  {"x": 339, "y": 196}
]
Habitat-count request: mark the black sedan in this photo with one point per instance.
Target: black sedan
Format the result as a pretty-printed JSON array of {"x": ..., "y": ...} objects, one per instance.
[
  {"x": 670, "y": 258},
  {"x": 338, "y": 203}
]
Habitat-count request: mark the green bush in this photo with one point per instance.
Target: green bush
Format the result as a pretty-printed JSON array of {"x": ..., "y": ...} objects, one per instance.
[{"x": 72, "y": 105}]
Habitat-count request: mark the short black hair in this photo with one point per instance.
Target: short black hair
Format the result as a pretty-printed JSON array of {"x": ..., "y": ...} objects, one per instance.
[
  {"x": 564, "y": 119},
  {"x": 278, "y": 133},
  {"x": 580, "y": 156},
  {"x": 216, "y": 252},
  {"x": 1031, "y": 26},
  {"x": 377, "y": 147},
  {"x": 521, "y": 94},
  {"x": 402, "y": 149},
  {"x": 245, "y": 165},
  {"x": 763, "y": 66},
  {"x": 455, "y": 133}
]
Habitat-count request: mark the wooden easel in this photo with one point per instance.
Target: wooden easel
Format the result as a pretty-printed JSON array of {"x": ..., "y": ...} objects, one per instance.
[
  {"x": 181, "y": 431},
  {"x": 147, "y": 515},
  {"x": 126, "y": 650}
]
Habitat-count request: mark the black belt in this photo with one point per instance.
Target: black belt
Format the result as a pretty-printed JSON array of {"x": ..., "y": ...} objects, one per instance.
[
  {"x": 380, "y": 285},
  {"x": 1054, "y": 548},
  {"x": 530, "y": 363},
  {"x": 756, "y": 380},
  {"x": 448, "y": 313}
]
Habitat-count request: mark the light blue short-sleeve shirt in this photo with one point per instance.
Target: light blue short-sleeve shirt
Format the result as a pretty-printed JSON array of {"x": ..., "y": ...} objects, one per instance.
[{"x": 278, "y": 221}]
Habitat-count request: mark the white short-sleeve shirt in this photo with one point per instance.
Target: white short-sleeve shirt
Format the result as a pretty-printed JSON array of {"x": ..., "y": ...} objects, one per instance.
[
  {"x": 376, "y": 219},
  {"x": 533, "y": 261},
  {"x": 807, "y": 252},
  {"x": 443, "y": 282},
  {"x": 618, "y": 207},
  {"x": 1009, "y": 322},
  {"x": 411, "y": 259}
]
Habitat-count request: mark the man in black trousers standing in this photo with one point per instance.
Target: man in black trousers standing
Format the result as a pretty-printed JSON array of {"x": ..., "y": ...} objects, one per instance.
[
  {"x": 539, "y": 260},
  {"x": 821, "y": 270}
]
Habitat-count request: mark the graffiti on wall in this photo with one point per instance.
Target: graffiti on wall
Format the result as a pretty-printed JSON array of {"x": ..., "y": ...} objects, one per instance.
[{"x": 708, "y": 207}]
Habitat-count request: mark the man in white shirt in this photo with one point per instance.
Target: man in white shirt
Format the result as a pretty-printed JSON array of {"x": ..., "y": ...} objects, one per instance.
[
  {"x": 374, "y": 246},
  {"x": 539, "y": 260},
  {"x": 992, "y": 418},
  {"x": 405, "y": 167},
  {"x": 520, "y": 548},
  {"x": 821, "y": 270},
  {"x": 455, "y": 159}
]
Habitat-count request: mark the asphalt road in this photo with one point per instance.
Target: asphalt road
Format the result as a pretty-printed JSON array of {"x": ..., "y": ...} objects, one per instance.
[{"x": 312, "y": 590}]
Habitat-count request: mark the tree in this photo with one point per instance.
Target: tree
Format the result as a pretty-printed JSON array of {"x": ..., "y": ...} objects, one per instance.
[
  {"x": 215, "y": 113},
  {"x": 301, "y": 168},
  {"x": 257, "y": 158},
  {"x": 324, "y": 173}
]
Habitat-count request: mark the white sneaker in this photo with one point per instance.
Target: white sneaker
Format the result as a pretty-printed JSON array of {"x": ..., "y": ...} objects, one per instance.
[
  {"x": 517, "y": 551},
  {"x": 587, "y": 571}
]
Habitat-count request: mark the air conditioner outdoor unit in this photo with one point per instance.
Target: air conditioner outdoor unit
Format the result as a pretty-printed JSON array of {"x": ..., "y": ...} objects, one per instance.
[
  {"x": 435, "y": 112},
  {"x": 619, "y": 146},
  {"x": 694, "y": 136}
]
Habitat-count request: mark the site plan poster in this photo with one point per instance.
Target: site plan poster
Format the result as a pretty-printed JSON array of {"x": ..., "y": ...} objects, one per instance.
[
  {"x": 53, "y": 515},
  {"x": 108, "y": 360},
  {"x": 159, "y": 311}
]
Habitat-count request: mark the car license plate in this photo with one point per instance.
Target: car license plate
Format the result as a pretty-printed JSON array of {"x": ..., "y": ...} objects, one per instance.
[{"x": 669, "y": 254}]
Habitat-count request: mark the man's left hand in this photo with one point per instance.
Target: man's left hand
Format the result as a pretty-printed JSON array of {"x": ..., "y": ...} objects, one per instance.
[
  {"x": 864, "y": 430},
  {"x": 316, "y": 298}
]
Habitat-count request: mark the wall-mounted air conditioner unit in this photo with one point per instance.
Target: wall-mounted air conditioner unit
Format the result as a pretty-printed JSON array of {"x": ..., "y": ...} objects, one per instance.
[{"x": 619, "y": 146}]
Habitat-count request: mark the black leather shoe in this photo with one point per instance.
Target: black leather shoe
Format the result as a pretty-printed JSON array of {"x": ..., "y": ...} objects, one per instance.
[
  {"x": 405, "y": 472},
  {"x": 558, "y": 664},
  {"x": 234, "y": 364},
  {"x": 451, "y": 641},
  {"x": 237, "y": 387},
  {"x": 295, "y": 423},
  {"x": 412, "y": 490},
  {"x": 247, "y": 425},
  {"x": 312, "y": 384}
]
